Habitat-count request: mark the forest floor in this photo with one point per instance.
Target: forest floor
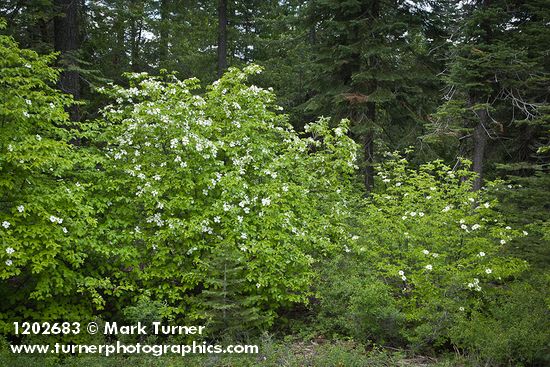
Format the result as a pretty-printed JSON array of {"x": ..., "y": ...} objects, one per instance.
[{"x": 272, "y": 354}]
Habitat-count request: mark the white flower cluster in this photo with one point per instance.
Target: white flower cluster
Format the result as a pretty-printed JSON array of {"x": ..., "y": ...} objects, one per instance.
[
  {"x": 402, "y": 274},
  {"x": 55, "y": 219},
  {"x": 243, "y": 204},
  {"x": 205, "y": 227},
  {"x": 9, "y": 251},
  {"x": 270, "y": 173},
  {"x": 475, "y": 285},
  {"x": 157, "y": 219},
  {"x": 254, "y": 89}
]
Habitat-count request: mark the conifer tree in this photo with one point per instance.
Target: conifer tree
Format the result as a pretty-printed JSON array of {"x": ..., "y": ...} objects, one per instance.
[
  {"x": 364, "y": 60},
  {"x": 495, "y": 82}
]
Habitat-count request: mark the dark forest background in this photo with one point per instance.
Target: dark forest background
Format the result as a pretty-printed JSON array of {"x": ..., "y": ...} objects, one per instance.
[{"x": 451, "y": 78}]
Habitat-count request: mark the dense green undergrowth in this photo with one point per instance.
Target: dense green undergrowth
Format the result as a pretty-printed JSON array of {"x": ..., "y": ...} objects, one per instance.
[{"x": 273, "y": 353}]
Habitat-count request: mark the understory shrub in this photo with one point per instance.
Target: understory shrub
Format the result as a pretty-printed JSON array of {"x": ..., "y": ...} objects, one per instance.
[
  {"x": 45, "y": 219},
  {"x": 436, "y": 243},
  {"x": 511, "y": 329},
  {"x": 353, "y": 302},
  {"x": 426, "y": 268},
  {"x": 204, "y": 207},
  {"x": 213, "y": 203}
]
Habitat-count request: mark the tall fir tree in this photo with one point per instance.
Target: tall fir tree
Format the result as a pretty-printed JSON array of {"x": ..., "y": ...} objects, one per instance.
[
  {"x": 365, "y": 64},
  {"x": 495, "y": 83}
]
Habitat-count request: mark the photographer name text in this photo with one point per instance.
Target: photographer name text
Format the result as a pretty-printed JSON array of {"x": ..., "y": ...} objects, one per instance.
[{"x": 156, "y": 328}]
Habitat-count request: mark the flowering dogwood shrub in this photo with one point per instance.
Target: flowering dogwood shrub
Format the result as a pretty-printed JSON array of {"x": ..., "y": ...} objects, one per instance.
[
  {"x": 195, "y": 201},
  {"x": 436, "y": 243},
  {"x": 43, "y": 211},
  {"x": 199, "y": 188}
]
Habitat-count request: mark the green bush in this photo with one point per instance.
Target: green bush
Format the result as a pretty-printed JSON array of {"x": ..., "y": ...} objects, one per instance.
[
  {"x": 212, "y": 203},
  {"x": 44, "y": 215},
  {"x": 354, "y": 303},
  {"x": 426, "y": 266},
  {"x": 436, "y": 243},
  {"x": 511, "y": 329}
]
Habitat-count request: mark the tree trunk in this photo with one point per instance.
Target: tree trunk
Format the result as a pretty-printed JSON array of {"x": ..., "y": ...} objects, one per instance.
[
  {"x": 66, "y": 41},
  {"x": 163, "y": 46},
  {"x": 480, "y": 133},
  {"x": 480, "y": 144},
  {"x": 371, "y": 114},
  {"x": 135, "y": 35},
  {"x": 119, "y": 53},
  {"x": 368, "y": 145},
  {"x": 222, "y": 37},
  {"x": 45, "y": 36},
  {"x": 312, "y": 35}
]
